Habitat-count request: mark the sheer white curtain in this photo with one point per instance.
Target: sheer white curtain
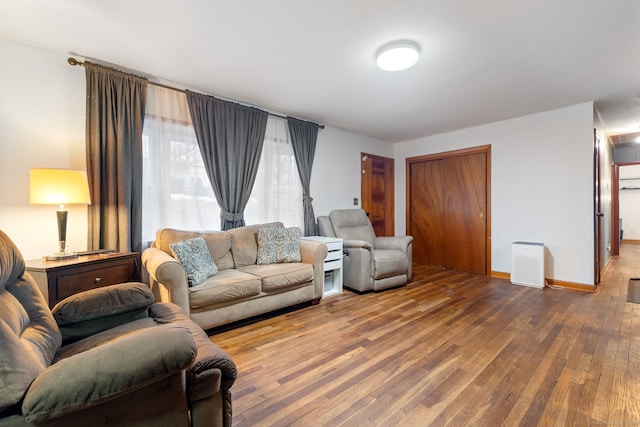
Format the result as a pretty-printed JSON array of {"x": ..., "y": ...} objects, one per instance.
[
  {"x": 277, "y": 192},
  {"x": 176, "y": 190}
]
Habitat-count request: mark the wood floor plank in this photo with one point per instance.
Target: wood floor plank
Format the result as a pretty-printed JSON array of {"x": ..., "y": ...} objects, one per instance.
[{"x": 449, "y": 349}]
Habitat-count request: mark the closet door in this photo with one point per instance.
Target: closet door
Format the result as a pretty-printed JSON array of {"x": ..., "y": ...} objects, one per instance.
[
  {"x": 425, "y": 213},
  {"x": 463, "y": 212},
  {"x": 448, "y": 196}
]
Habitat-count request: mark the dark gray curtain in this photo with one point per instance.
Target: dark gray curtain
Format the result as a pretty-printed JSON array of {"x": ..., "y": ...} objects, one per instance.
[
  {"x": 230, "y": 137},
  {"x": 304, "y": 136},
  {"x": 115, "y": 115}
]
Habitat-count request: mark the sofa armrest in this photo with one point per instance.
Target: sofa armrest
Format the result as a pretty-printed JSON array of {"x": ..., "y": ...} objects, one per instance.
[
  {"x": 109, "y": 371},
  {"x": 167, "y": 278},
  {"x": 314, "y": 253},
  {"x": 401, "y": 243}
]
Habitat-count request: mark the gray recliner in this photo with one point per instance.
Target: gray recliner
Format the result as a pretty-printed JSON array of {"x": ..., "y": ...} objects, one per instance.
[
  {"x": 370, "y": 263},
  {"x": 104, "y": 357}
]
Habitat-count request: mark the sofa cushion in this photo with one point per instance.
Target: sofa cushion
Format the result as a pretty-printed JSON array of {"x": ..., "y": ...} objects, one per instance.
[
  {"x": 218, "y": 242},
  {"x": 167, "y": 236},
  {"x": 278, "y": 244},
  {"x": 280, "y": 277},
  {"x": 18, "y": 366},
  {"x": 87, "y": 313},
  {"x": 194, "y": 256},
  {"x": 227, "y": 285},
  {"x": 11, "y": 261},
  {"x": 352, "y": 224},
  {"x": 29, "y": 339},
  {"x": 102, "y": 302},
  {"x": 244, "y": 243}
]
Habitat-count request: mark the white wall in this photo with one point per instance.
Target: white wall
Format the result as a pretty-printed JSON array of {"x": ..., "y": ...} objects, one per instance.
[
  {"x": 630, "y": 202},
  {"x": 42, "y": 102},
  {"x": 541, "y": 185},
  {"x": 335, "y": 179}
]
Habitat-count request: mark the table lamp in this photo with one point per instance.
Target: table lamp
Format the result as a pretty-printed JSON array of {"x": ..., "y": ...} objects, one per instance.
[{"x": 59, "y": 187}]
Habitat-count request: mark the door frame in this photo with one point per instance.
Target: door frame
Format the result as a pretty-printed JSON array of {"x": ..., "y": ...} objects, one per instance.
[
  {"x": 598, "y": 215},
  {"x": 486, "y": 149},
  {"x": 615, "y": 209},
  {"x": 615, "y": 206}
]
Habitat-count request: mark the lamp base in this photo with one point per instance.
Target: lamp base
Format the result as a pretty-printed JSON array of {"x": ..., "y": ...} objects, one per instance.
[{"x": 60, "y": 256}]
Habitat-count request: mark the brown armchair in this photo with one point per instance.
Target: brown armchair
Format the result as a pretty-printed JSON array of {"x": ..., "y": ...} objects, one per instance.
[
  {"x": 370, "y": 263},
  {"x": 108, "y": 356}
]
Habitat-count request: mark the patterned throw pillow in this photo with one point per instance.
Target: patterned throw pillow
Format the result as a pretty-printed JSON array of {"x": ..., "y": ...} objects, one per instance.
[
  {"x": 194, "y": 256},
  {"x": 278, "y": 244}
]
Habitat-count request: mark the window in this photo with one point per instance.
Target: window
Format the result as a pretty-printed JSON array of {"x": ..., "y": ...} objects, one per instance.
[
  {"x": 176, "y": 189},
  {"x": 277, "y": 192}
]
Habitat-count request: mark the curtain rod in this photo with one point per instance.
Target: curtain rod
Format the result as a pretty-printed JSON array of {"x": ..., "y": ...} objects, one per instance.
[{"x": 73, "y": 62}]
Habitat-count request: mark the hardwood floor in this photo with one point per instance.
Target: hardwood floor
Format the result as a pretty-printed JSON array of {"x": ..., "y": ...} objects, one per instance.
[{"x": 450, "y": 349}]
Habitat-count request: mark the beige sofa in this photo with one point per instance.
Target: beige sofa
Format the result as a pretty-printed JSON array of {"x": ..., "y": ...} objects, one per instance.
[{"x": 241, "y": 288}]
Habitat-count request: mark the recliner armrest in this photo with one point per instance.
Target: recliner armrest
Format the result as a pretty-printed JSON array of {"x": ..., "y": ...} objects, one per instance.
[
  {"x": 209, "y": 354},
  {"x": 356, "y": 244},
  {"x": 394, "y": 242},
  {"x": 109, "y": 371}
]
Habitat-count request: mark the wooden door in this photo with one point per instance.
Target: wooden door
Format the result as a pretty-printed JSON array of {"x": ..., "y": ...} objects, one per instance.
[
  {"x": 448, "y": 198},
  {"x": 615, "y": 210},
  {"x": 426, "y": 225},
  {"x": 377, "y": 192},
  {"x": 464, "y": 198}
]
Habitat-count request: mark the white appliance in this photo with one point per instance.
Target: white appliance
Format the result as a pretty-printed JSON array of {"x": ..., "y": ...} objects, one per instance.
[{"x": 527, "y": 264}]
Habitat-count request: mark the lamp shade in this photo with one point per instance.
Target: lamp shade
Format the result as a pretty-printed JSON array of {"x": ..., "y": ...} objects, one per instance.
[{"x": 58, "y": 187}]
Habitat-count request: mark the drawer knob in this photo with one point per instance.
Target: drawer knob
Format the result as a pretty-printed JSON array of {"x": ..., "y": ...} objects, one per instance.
[{"x": 97, "y": 280}]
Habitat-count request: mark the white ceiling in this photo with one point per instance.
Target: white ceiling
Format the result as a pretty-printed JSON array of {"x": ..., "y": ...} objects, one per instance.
[{"x": 481, "y": 61}]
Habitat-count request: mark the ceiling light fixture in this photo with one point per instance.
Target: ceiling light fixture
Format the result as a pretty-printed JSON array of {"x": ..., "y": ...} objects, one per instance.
[{"x": 398, "y": 55}]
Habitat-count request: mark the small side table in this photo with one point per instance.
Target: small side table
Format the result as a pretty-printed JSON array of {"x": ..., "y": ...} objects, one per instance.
[
  {"x": 60, "y": 279},
  {"x": 332, "y": 264}
]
